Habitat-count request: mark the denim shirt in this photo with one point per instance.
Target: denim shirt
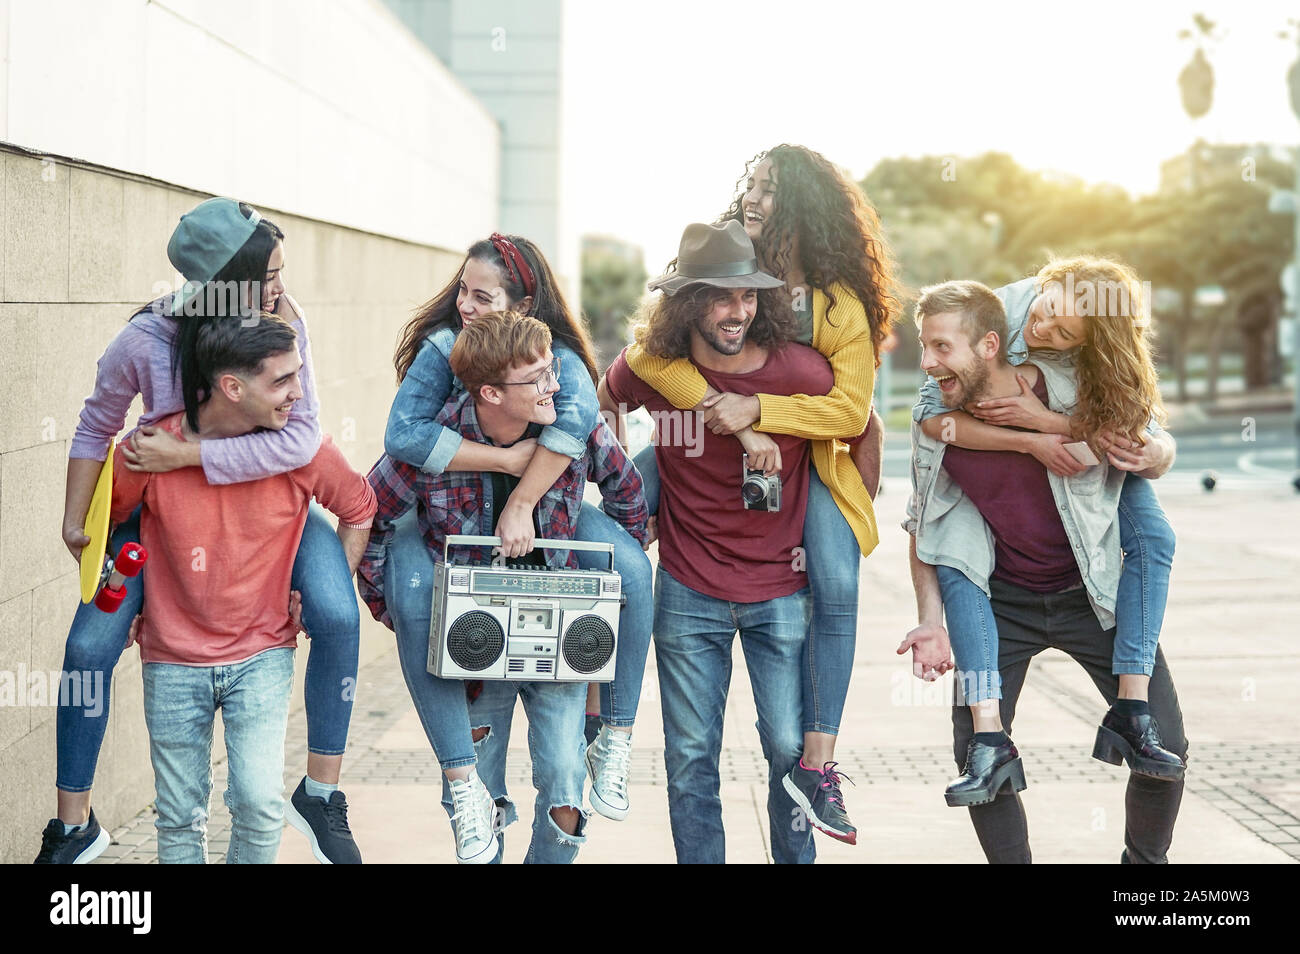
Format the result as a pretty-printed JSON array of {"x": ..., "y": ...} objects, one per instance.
[
  {"x": 1016, "y": 299},
  {"x": 414, "y": 436},
  {"x": 950, "y": 531}
]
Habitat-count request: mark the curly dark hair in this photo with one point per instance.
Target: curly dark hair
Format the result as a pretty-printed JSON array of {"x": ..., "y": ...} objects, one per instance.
[
  {"x": 663, "y": 324},
  {"x": 838, "y": 232}
]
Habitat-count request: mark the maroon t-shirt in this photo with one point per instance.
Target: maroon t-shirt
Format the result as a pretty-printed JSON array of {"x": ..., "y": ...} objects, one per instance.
[
  {"x": 1012, "y": 493},
  {"x": 707, "y": 539}
]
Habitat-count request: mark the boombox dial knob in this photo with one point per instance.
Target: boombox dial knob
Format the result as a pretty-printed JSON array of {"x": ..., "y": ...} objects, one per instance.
[
  {"x": 588, "y": 644},
  {"x": 475, "y": 641}
]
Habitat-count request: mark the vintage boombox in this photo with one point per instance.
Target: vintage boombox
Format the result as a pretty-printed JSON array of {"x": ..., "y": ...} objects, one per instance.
[{"x": 497, "y": 622}]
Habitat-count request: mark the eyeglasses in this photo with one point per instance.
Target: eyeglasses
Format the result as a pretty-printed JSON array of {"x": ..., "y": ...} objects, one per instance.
[{"x": 542, "y": 382}]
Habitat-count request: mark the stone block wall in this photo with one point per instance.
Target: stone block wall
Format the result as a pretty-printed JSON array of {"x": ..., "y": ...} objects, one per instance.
[{"x": 82, "y": 248}]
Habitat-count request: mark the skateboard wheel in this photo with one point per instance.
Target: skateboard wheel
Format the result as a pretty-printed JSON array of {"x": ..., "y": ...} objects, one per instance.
[
  {"x": 109, "y": 599},
  {"x": 130, "y": 559}
]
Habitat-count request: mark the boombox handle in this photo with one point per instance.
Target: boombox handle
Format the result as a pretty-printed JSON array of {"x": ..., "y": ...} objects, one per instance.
[{"x": 469, "y": 540}]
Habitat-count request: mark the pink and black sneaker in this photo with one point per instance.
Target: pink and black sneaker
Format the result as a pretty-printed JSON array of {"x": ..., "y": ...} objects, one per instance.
[{"x": 818, "y": 794}]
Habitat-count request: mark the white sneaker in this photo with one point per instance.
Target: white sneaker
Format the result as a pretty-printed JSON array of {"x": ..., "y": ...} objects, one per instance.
[
  {"x": 607, "y": 767},
  {"x": 473, "y": 820}
]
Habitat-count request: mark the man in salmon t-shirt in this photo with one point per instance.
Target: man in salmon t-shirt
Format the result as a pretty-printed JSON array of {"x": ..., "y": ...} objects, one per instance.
[
  {"x": 723, "y": 567},
  {"x": 216, "y": 632}
]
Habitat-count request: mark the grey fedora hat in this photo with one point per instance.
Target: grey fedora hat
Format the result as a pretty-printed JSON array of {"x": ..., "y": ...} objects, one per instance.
[{"x": 718, "y": 255}]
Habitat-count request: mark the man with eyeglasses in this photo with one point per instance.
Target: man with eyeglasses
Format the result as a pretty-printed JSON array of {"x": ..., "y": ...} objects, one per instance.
[{"x": 510, "y": 376}]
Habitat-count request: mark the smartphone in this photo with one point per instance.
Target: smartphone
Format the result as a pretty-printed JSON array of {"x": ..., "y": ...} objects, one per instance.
[{"x": 1081, "y": 452}]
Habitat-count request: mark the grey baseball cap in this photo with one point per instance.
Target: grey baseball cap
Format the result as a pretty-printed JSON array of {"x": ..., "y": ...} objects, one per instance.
[{"x": 204, "y": 242}]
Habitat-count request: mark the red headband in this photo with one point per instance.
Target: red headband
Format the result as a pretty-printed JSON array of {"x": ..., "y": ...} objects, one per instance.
[{"x": 516, "y": 266}]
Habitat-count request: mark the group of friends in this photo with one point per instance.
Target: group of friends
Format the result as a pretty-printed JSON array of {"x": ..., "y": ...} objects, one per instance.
[{"x": 1032, "y": 518}]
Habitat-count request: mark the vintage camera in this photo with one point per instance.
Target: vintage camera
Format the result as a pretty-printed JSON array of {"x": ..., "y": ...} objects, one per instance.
[{"x": 758, "y": 491}]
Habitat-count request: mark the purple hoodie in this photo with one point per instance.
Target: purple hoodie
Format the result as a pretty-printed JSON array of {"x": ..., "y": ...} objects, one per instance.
[{"x": 139, "y": 361}]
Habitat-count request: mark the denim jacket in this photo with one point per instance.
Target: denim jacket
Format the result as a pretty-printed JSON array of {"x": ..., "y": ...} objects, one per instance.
[
  {"x": 461, "y": 501},
  {"x": 414, "y": 436},
  {"x": 950, "y": 531}
]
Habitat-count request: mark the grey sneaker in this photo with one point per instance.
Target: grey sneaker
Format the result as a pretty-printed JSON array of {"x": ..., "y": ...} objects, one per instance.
[
  {"x": 607, "y": 767},
  {"x": 474, "y": 820},
  {"x": 818, "y": 794},
  {"x": 77, "y": 848},
  {"x": 325, "y": 823}
]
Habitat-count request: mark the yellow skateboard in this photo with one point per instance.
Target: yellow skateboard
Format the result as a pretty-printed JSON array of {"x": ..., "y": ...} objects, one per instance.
[{"x": 100, "y": 576}]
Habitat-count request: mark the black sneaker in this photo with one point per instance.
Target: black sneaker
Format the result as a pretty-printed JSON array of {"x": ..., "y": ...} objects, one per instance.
[
  {"x": 818, "y": 794},
  {"x": 78, "y": 848},
  {"x": 592, "y": 728},
  {"x": 325, "y": 824}
]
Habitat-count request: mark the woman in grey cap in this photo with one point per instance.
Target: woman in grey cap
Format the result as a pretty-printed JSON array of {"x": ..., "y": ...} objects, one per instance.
[{"x": 232, "y": 259}]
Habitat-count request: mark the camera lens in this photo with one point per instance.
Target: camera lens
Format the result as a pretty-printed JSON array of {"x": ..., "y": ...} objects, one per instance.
[{"x": 753, "y": 490}]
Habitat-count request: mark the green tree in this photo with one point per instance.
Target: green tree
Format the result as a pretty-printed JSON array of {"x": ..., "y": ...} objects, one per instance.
[
  {"x": 987, "y": 218},
  {"x": 612, "y": 286},
  {"x": 983, "y": 217},
  {"x": 1220, "y": 234}
]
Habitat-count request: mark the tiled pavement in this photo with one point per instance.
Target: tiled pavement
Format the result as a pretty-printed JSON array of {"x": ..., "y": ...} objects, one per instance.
[{"x": 1230, "y": 637}]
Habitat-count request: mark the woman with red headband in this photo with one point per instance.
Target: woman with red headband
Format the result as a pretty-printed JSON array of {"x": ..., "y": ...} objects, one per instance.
[{"x": 509, "y": 273}]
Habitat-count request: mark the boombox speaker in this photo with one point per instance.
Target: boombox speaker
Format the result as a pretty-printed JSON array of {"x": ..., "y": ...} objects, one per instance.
[{"x": 497, "y": 622}]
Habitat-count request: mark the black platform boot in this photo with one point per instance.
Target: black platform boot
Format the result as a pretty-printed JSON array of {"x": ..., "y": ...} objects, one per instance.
[
  {"x": 1136, "y": 739},
  {"x": 988, "y": 768}
]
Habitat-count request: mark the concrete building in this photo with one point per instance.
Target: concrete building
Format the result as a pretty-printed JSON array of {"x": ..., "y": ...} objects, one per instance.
[
  {"x": 508, "y": 54},
  {"x": 116, "y": 116}
]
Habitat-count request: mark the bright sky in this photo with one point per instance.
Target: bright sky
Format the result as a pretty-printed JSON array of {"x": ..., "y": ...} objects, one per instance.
[{"x": 665, "y": 101}]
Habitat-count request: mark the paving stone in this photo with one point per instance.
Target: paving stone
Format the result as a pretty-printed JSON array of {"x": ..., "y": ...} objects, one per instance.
[
  {"x": 1279, "y": 837},
  {"x": 917, "y": 768}
]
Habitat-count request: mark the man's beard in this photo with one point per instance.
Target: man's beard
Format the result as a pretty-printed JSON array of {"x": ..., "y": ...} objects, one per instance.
[
  {"x": 971, "y": 384},
  {"x": 709, "y": 332}
]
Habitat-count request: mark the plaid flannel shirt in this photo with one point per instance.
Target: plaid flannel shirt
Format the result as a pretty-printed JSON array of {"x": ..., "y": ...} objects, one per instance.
[{"x": 453, "y": 502}]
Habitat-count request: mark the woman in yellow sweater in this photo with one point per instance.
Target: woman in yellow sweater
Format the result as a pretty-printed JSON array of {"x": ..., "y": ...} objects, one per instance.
[{"x": 813, "y": 227}]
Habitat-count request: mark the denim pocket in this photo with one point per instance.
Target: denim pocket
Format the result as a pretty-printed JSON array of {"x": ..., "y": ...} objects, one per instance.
[{"x": 1089, "y": 482}]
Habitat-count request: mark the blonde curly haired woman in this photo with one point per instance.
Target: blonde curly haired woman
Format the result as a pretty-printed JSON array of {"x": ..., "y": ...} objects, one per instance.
[{"x": 1093, "y": 313}]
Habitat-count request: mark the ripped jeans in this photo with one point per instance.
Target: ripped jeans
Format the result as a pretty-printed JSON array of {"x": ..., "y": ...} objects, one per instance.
[
  {"x": 556, "y": 717},
  {"x": 556, "y": 710}
]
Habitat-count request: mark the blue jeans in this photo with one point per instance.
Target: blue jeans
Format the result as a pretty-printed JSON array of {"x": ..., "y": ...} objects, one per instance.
[
  {"x": 408, "y": 591},
  {"x": 180, "y": 703},
  {"x": 693, "y": 641},
  {"x": 833, "y": 557},
  {"x": 1147, "y": 541},
  {"x": 556, "y": 746},
  {"x": 620, "y": 697},
  {"x": 832, "y": 565},
  {"x": 973, "y": 633},
  {"x": 329, "y": 614}
]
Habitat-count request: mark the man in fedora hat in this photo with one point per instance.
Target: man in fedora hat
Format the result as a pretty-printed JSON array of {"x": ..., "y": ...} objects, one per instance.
[{"x": 731, "y": 518}]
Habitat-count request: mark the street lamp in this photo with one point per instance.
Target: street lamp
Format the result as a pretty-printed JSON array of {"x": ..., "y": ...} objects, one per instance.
[{"x": 1196, "y": 86}]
